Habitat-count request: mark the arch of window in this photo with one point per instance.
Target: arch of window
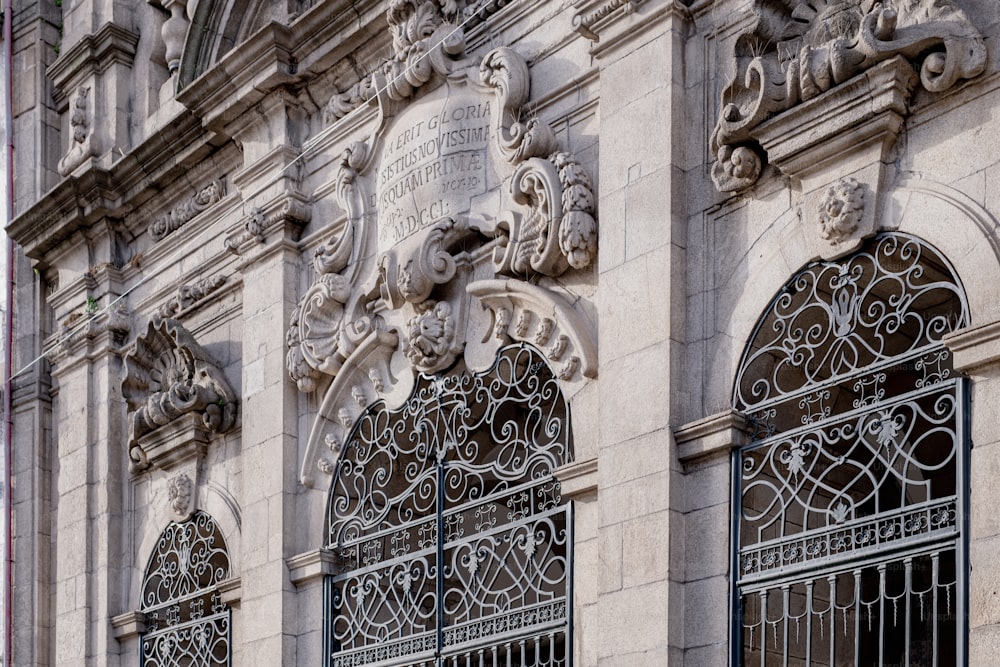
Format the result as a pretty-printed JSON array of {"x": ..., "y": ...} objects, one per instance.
[
  {"x": 187, "y": 622},
  {"x": 454, "y": 545},
  {"x": 850, "y": 498}
]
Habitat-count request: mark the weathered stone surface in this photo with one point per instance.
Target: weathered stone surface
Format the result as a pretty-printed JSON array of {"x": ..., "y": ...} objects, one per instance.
[{"x": 299, "y": 208}]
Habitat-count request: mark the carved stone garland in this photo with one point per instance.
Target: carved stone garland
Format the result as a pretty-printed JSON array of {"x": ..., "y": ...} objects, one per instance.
[
  {"x": 401, "y": 288},
  {"x": 168, "y": 377},
  {"x": 798, "y": 50}
]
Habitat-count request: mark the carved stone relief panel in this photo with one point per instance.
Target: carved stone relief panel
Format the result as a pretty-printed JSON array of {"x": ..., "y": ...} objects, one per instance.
[
  {"x": 177, "y": 396},
  {"x": 821, "y": 90},
  {"x": 426, "y": 257}
]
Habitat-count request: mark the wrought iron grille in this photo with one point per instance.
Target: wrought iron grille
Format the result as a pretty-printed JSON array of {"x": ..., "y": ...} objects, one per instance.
[
  {"x": 187, "y": 623},
  {"x": 454, "y": 545},
  {"x": 851, "y": 495}
]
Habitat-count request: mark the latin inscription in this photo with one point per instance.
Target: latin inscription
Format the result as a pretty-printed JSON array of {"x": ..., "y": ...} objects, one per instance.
[{"x": 432, "y": 165}]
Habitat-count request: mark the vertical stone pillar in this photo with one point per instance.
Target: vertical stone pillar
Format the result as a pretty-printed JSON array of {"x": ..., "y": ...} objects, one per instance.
[
  {"x": 269, "y": 267},
  {"x": 977, "y": 354},
  {"x": 90, "y": 468},
  {"x": 702, "y": 579},
  {"x": 641, "y": 254}
]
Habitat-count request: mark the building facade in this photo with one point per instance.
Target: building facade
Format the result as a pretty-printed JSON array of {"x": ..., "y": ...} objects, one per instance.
[{"x": 480, "y": 332}]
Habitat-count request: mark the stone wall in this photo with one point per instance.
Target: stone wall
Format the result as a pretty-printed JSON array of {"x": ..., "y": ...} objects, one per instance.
[{"x": 233, "y": 168}]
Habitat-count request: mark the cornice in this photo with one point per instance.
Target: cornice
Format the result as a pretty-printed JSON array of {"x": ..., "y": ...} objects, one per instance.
[
  {"x": 711, "y": 436},
  {"x": 243, "y": 77},
  {"x": 73, "y": 205},
  {"x": 620, "y": 28},
  {"x": 81, "y": 199},
  {"x": 92, "y": 54}
]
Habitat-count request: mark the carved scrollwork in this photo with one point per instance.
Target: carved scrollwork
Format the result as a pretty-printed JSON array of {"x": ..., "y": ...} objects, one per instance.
[
  {"x": 560, "y": 230},
  {"x": 189, "y": 295},
  {"x": 798, "y": 50},
  {"x": 192, "y": 206},
  {"x": 315, "y": 338},
  {"x": 167, "y": 375}
]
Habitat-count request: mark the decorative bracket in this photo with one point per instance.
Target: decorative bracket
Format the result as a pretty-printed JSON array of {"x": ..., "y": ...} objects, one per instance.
[
  {"x": 798, "y": 51},
  {"x": 168, "y": 376}
]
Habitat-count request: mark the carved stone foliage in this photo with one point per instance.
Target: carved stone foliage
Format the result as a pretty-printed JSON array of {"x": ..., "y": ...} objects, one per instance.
[
  {"x": 180, "y": 491},
  {"x": 169, "y": 375},
  {"x": 797, "y": 50},
  {"x": 189, "y": 295},
  {"x": 409, "y": 281},
  {"x": 188, "y": 209}
]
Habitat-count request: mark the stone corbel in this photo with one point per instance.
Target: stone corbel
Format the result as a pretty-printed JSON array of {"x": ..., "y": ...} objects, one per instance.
[
  {"x": 177, "y": 396},
  {"x": 532, "y": 314},
  {"x": 711, "y": 437}
]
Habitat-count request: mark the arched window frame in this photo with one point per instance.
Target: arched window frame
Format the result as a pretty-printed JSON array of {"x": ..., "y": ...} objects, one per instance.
[
  {"x": 808, "y": 395},
  {"x": 187, "y": 620},
  {"x": 476, "y": 453}
]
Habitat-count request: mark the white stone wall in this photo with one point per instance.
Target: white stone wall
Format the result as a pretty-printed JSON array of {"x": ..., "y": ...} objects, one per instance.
[{"x": 681, "y": 275}]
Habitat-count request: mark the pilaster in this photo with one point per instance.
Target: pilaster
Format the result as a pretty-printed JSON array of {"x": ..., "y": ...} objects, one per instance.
[
  {"x": 269, "y": 258},
  {"x": 639, "y": 55},
  {"x": 89, "y": 427}
]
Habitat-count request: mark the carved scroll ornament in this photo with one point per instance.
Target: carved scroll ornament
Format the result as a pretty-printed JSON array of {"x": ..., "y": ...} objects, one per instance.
[
  {"x": 798, "y": 50},
  {"x": 167, "y": 375},
  {"x": 395, "y": 285}
]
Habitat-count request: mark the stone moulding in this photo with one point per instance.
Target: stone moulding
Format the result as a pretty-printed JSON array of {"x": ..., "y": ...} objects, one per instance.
[
  {"x": 532, "y": 314},
  {"x": 178, "y": 217},
  {"x": 168, "y": 376},
  {"x": 583, "y": 22},
  {"x": 798, "y": 50}
]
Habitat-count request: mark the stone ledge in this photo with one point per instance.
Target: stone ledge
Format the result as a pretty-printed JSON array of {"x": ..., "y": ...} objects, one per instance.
[
  {"x": 172, "y": 444},
  {"x": 92, "y": 53},
  {"x": 976, "y": 349},
  {"x": 230, "y": 591},
  {"x": 712, "y": 436},
  {"x": 865, "y": 113},
  {"x": 311, "y": 566},
  {"x": 128, "y": 625},
  {"x": 578, "y": 479}
]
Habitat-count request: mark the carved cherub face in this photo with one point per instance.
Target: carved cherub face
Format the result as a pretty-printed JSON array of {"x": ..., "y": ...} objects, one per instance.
[{"x": 841, "y": 209}]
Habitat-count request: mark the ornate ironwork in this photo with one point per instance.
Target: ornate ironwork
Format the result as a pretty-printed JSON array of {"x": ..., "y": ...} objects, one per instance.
[
  {"x": 851, "y": 491},
  {"x": 834, "y": 319},
  {"x": 187, "y": 621},
  {"x": 453, "y": 541}
]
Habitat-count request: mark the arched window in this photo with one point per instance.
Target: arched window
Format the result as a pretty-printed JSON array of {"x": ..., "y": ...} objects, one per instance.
[
  {"x": 850, "y": 499},
  {"x": 187, "y": 622},
  {"x": 454, "y": 544}
]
